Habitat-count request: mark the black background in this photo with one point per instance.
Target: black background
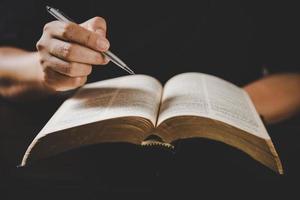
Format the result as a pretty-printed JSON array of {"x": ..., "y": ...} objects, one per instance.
[{"x": 234, "y": 39}]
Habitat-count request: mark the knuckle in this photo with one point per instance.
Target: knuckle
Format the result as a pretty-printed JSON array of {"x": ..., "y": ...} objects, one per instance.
[
  {"x": 65, "y": 50},
  {"x": 40, "y": 45},
  {"x": 47, "y": 27},
  {"x": 42, "y": 62},
  {"x": 67, "y": 30}
]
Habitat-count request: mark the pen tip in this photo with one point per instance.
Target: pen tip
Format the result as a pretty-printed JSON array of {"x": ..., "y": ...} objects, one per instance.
[
  {"x": 48, "y": 7},
  {"x": 130, "y": 71}
]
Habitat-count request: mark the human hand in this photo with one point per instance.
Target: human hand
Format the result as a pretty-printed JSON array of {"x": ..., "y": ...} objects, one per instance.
[{"x": 67, "y": 52}]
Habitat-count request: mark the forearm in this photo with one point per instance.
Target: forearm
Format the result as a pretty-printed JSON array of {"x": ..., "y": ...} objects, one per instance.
[
  {"x": 19, "y": 64},
  {"x": 20, "y": 74},
  {"x": 276, "y": 97}
]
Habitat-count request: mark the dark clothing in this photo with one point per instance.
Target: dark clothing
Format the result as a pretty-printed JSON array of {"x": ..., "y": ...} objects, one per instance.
[{"x": 231, "y": 39}]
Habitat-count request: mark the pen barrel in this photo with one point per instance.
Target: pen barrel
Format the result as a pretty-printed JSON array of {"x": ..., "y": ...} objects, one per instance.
[{"x": 64, "y": 18}]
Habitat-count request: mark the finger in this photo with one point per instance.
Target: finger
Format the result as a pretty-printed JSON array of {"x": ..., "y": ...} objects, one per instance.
[
  {"x": 60, "y": 82},
  {"x": 74, "y": 52},
  {"x": 71, "y": 69},
  {"x": 96, "y": 24},
  {"x": 75, "y": 33}
]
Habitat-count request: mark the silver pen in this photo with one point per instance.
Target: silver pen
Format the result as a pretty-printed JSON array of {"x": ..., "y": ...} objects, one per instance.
[{"x": 64, "y": 18}]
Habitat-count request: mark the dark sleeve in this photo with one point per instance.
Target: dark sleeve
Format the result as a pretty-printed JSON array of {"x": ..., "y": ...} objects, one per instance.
[{"x": 20, "y": 23}]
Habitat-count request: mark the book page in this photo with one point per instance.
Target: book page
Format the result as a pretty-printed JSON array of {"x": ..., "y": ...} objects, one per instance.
[
  {"x": 134, "y": 95},
  {"x": 203, "y": 95}
]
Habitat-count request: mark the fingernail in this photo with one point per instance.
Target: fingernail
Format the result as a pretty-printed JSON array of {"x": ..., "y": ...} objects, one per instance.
[
  {"x": 106, "y": 60},
  {"x": 103, "y": 44},
  {"x": 100, "y": 32}
]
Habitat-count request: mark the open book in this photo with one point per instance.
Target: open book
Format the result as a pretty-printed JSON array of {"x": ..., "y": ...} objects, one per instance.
[{"x": 132, "y": 108}]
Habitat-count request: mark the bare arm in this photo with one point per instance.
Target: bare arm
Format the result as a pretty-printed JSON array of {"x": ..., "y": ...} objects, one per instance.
[
  {"x": 64, "y": 58},
  {"x": 21, "y": 75},
  {"x": 276, "y": 97}
]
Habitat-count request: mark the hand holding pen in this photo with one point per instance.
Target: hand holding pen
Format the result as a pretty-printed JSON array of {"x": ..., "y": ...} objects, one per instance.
[{"x": 67, "y": 52}]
